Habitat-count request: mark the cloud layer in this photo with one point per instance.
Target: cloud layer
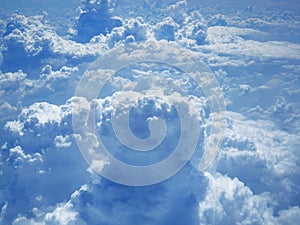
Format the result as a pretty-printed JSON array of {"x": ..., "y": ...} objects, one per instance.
[{"x": 253, "y": 52}]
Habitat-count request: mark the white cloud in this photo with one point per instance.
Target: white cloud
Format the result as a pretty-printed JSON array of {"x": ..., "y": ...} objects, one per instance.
[
  {"x": 41, "y": 170},
  {"x": 17, "y": 91},
  {"x": 11, "y": 80},
  {"x": 166, "y": 29},
  {"x": 37, "y": 44},
  {"x": 7, "y": 111},
  {"x": 63, "y": 215},
  {"x": 229, "y": 201},
  {"x": 18, "y": 156},
  {"x": 62, "y": 141},
  {"x": 289, "y": 216},
  {"x": 227, "y": 40},
  {"x": 40, "y": 160},
  {"x": 262, "y": 157},
  {"x": 132, "y": 30}
]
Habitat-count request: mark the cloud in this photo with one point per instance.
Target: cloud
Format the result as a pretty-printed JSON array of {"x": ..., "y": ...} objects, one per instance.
[
  {"x": 7, "y": 111},
  {"x": 45, "y": 180},
  {"x": 17, "y": 90},
  {"x": 171, "y": 202},
  {"x": 229, "y": 201},
  {"x": 289, "y": 216},
  {"x": 264, "y": 158},
  {"x": 224, "y": 41},
  {"x": 94, "y": 19},
  {"x": 50, "y": 126},
  {"x": 166, "y": 29},
  {"x": 33, "y": 172},
  {"x": 193, "y": 27},
  {"x": 62, "y": 141},
  {"x": 62, "y": 215},
  {"x": 132, "y": 30},
  {"x": 29, "y": 43}
]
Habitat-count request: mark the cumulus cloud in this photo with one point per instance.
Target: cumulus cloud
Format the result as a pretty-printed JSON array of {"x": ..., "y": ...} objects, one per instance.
[
  {"x": 264, "y": 159},
  {"x": 229, "y": 201},
  {"x": 11, "y": 80},
  {"x": 132, "y": 30},
  {"x": 166, "y": 29},
  {"x": 37, "y": 121},
  {"x": 109, "y": 203},
  {"x": 7, "y": 111},
  {"x": 37, "y": 44},
  {"x": 226, "y": 40},
  {"x": 11, "y": 92},
  {"x": 47, "y": 162},
  {"x": 50, "y": 126},
  {"x": 17, "y": 90},
  {"x": 94, "y": 19},
  {"x": 194, "y": 28},
  {"x": 186, "y": 28},
  {"x": 253, "y": 52}
]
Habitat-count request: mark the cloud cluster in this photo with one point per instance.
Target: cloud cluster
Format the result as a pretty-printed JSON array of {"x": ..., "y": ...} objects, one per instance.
[
  {"x": 94, "y": 19},
  {"x": 270, "y": 155},
  {"x": 254, "y": 54},
  {"x": 229, "y": 201},
  {"x": 39, "y": 157},
  {"x": 109, "y": 203},
  {"x": 29, "y": 43}
]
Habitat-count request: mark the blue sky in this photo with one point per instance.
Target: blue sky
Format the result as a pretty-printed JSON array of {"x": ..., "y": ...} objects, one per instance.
[{"x": 55, "y": 54}]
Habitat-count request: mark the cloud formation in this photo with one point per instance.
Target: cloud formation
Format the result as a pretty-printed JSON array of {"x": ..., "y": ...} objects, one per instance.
[{"x": 253, "y": 51}]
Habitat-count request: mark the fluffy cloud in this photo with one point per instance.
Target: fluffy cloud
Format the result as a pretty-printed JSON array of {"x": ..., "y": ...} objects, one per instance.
[
  {"x": 50, "y": 126},
  {"x": 48, "y": 162},
  {"x": 229, "y": 201},
  {"x": 228, "y": 40},
  {"x": 17, "y": 90},
  {"x": 166, "y": 29},
  {"x": 171, "y": 202},
  {"x": 194, "y": 28},
  {"x": 132, "y": 30},
  {"x": 254, "y": 52},
  {"x": 94, "y": 19},
  {"x": 264, "y": 159},
  {"x": 29, "y": 43}
]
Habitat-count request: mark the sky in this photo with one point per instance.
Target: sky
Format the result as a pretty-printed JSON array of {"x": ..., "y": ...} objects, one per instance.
[{"x": 149, "y": 112}]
